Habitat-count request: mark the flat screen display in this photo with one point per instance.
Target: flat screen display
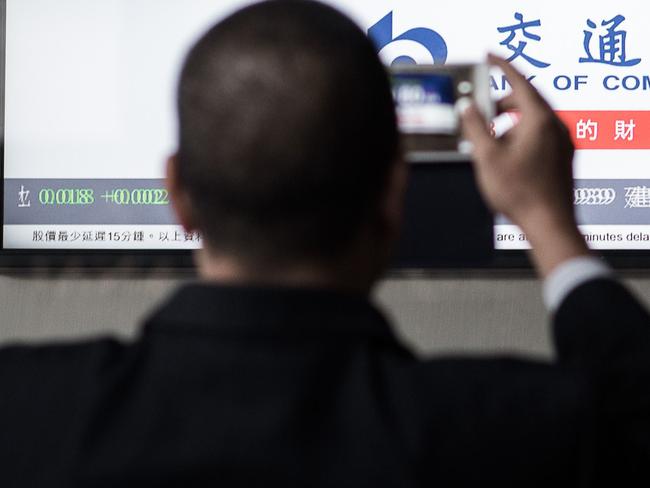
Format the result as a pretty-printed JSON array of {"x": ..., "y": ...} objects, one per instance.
[{"x": 89, "y": 119}]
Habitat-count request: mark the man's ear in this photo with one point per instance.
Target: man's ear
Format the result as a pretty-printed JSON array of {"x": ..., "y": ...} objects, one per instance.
[{"x": 178, "y": 196}]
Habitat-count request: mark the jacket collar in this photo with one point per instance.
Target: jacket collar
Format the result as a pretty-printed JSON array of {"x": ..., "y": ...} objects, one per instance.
[{"x": 269, "y": 312}]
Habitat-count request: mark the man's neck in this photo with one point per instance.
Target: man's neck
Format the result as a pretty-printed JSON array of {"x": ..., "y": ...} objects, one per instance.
[{"x": 228, "y": 271}]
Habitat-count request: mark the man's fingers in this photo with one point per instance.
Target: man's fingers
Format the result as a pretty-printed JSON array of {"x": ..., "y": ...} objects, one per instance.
[
  {"x": 523, "y": 93},
  {"x": 507, "y": 104},
  {"x": 476, "y": 130}
]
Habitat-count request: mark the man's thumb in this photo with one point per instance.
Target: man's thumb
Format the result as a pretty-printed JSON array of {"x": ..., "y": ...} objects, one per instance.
[{"x": 475, "y": 128}]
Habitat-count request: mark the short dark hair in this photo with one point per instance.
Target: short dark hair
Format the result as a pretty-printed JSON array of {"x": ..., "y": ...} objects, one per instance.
[{"x": 287, "y": 131}]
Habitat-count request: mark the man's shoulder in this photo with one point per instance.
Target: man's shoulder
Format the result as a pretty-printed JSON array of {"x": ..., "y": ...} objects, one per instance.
[
  {"x": 60, "y": 353},
  {"x": 32, "y": 370},
  {"x": 445, "y": 408},
  {"x": 48, "y": 393},
  {"x": 481, "y": 385}
]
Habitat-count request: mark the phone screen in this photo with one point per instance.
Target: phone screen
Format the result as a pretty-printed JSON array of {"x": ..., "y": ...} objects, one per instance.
[{"x": 425, "y": 103}]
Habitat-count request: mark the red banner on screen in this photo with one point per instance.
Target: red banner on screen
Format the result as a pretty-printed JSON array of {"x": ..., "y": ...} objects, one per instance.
[{"x": 608, "y": 129}]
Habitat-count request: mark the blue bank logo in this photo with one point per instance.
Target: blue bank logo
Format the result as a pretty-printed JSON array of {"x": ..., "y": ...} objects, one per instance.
[{"x": 415, "y": 46}]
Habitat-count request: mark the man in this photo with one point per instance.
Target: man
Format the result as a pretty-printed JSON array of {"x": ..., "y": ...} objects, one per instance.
[{"x": 276, "y": 370}]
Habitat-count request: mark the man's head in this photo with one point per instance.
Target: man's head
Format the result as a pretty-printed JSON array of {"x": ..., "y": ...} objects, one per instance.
[{"x": 288, "y": 138}]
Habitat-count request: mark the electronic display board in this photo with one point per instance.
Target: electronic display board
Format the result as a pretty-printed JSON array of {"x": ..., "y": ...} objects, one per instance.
[{"x": 89, "y": 111}]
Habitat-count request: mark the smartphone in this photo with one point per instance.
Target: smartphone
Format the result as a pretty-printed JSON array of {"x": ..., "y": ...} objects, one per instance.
[{"x": 427, "y": 105}]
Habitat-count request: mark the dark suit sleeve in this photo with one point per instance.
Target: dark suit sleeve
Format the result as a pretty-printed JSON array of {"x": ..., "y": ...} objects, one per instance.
[{"x": 603, "y": 332}]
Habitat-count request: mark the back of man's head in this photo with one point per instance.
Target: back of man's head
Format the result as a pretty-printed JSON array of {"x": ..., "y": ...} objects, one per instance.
[{"x": 287, "y": 132}]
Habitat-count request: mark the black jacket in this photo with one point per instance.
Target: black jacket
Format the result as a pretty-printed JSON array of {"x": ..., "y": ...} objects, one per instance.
[{"x": 259, "y": 387}]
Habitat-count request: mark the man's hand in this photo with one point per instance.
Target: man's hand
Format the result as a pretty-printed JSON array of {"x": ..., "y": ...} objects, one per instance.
[{"x": 527, "y": 174}]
